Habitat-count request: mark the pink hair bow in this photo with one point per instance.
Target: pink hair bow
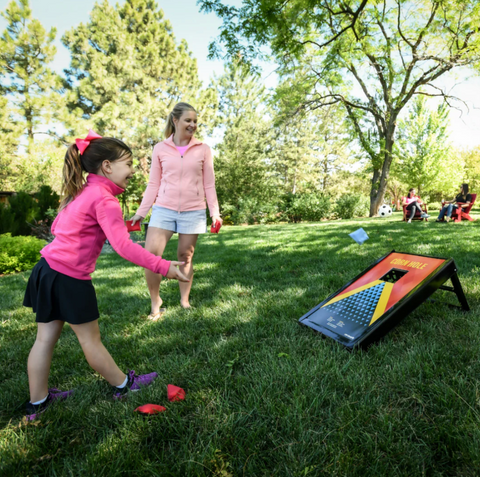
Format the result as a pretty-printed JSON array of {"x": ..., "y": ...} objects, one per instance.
[{"x": 82, "y": 144}]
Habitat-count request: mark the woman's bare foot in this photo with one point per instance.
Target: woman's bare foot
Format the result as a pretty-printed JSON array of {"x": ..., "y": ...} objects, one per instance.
[
  {"x": 156, "y": 305},
  {"x": 185, "y": 304}
]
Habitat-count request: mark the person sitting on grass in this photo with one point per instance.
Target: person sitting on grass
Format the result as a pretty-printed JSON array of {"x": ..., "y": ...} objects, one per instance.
[
  {"x": 462, "y": 200},
  {"x": 413, "y": 204},
  {"x": 60, "y": 287}
]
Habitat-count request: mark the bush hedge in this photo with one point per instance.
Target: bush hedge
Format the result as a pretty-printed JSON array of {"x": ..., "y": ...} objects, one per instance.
[
  {"x": 352, "y": 205},
  {"x": 311, "y": 206},
  {"x": 24, "y": 211},
  {"x": 19, "y": 253}
]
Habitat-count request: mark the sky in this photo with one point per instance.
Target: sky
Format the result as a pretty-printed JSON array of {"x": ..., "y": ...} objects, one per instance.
[{"x": 199, "y": 29}]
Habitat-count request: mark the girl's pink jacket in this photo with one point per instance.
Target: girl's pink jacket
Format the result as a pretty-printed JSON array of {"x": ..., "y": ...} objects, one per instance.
[
  {"x": 81, "y": 228},
  {"x": 179, "y": 182}
]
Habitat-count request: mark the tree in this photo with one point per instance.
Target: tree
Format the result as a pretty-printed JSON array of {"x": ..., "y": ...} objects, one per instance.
[
  {"x": 26, "y": 49},
  {"x": 241, "y": 166},
  {"x": 309, "y": 149},
  {"x": 471, "y": 159},
  {"x": 370, "y": 57},
  {"x": 47, "y": 199},
  {"x": 9, "y": 141},
  {"x": 127, "y": 72},
  {"x": 41, "y": 165},
  {"x": 425, "y": 158},
  {"x": 24, "y": 209}
]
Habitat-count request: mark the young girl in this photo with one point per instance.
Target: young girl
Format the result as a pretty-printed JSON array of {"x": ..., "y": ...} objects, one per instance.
[
  {"x": 60, "y": 288},
  {"x": 181, "y": 178},
  {"x": 413, "y": 203}
]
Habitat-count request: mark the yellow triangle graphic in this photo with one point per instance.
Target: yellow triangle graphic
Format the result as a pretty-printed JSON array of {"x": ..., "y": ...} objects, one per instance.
[
  {"x": 353, "y": 292},
  {"x": 382, "y": 302}
]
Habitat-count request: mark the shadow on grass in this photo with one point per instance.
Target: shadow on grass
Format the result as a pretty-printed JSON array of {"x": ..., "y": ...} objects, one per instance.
[{"x": 265, "y": 396}]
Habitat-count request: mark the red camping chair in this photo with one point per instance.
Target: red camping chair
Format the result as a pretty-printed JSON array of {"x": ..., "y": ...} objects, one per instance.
[
  {"x": 458, "y": 214},
  {"x": 417, "y": 216}
]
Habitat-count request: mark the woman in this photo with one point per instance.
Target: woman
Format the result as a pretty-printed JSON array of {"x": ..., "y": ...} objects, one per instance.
[
  {"x": 462, "y": 200},
  {"x": 181, "y": 177},
  {"x": 413, "y": 204}
]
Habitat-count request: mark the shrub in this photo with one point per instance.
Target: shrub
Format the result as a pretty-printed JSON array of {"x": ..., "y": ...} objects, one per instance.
[
  {"x": 434, "y": 207},
  {"x": 47, "y": 199},
  {"x": 19, "y": 253},
  {"x": 228, "y": 210},
  {"x": 310, "y": 206},
  {"x": 25, "y": 209},
  {"x": 352, "y": 205},
  {"x": 250, "y": 210},
  {"x": 7, "y": 219}
]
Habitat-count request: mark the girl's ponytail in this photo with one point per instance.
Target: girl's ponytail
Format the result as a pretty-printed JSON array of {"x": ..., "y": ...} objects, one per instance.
[
  {"x": 97, "y": 150},
  {"x": 72, "y": 175},
  {"x": 170, "y": 127}
]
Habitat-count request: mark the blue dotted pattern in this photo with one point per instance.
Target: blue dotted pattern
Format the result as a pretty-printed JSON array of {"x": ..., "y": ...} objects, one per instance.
[{"x": 358, "y": 308}]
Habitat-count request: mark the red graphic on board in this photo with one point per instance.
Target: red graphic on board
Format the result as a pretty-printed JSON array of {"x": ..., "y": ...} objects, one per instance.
[{"x": 417, "y": 267}]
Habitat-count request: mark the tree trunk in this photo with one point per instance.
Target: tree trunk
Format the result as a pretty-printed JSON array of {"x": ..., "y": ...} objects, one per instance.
[
  {"x": 374, "y": 193},
  {"x": 29, "y": 121},
  {"x": 380, "y": 178}
]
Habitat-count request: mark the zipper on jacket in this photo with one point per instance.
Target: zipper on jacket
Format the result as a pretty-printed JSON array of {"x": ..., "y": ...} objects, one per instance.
[{"x": 181, "y": 174}]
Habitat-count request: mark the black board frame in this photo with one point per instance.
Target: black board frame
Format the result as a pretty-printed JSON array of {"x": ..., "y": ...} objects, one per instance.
[{"x": 398, "y": 312}]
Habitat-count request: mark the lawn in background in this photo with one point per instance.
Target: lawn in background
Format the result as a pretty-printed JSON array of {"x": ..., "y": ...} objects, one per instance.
[{"x": 265, "y": 396}]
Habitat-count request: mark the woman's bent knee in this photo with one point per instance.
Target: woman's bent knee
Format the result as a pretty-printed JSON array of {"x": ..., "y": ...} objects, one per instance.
[{"x": 186, "y": 257}]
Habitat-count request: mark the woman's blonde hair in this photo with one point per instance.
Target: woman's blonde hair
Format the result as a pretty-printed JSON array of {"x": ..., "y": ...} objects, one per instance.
[{"x": 176, "y": 113}]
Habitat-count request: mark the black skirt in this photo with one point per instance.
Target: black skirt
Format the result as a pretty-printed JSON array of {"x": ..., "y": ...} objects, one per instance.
[{"x": 55, "y": 296}]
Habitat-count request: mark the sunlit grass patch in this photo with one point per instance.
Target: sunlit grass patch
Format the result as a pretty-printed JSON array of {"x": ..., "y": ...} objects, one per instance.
[{"x": 265, "y": 396}]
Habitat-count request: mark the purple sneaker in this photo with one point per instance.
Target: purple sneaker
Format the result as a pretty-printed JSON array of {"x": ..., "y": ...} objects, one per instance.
[
  {"x": 134, "y": 383},
  {"x": 54, "y": 394},
  {"x": 58, "y": 395}
]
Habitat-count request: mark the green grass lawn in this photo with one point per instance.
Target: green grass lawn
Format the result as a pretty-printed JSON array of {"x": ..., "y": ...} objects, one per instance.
[{"x": 265, "y": 396}]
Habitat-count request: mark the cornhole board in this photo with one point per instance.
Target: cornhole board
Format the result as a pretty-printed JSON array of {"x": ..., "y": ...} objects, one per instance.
[{"x": 377, "y": 300}]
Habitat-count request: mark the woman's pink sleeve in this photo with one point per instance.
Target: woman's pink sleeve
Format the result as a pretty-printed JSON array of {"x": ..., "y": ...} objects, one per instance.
[
  {"x": 153, "y": 185},
  {"x": 209, "y": 183}
]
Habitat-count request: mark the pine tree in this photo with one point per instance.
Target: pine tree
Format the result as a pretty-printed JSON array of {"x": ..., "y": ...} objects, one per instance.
[
  {"x": 10, "y": 134},
  {"x": 127, "y": 72},
  {"x": 310, "y": 148},
  {"x": 26, "y": 49},
  {"x": 241, "y": 167}
]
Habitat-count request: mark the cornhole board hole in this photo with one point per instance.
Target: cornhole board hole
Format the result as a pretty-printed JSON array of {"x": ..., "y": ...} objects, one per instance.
[{"x": 377, "y": 300}]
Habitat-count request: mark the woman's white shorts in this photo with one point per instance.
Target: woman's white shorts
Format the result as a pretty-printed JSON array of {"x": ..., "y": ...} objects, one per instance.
[{"x": 190, "y": 222}]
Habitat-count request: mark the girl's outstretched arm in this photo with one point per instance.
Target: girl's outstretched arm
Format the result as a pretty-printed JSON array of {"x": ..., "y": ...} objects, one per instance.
[{"x": 109, "y": 216}]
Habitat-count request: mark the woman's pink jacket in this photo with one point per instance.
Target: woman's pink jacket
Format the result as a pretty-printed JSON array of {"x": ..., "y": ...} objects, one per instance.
[
  {"x": 179, "y": 182},
  {"x": 81, "y": 228}
]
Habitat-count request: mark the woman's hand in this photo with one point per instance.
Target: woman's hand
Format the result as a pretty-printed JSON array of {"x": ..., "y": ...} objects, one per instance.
[
  {"x": 175, "y": 273},
  {"x": 136, "y": 218},
  {"x": 215, "y": 219}
]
